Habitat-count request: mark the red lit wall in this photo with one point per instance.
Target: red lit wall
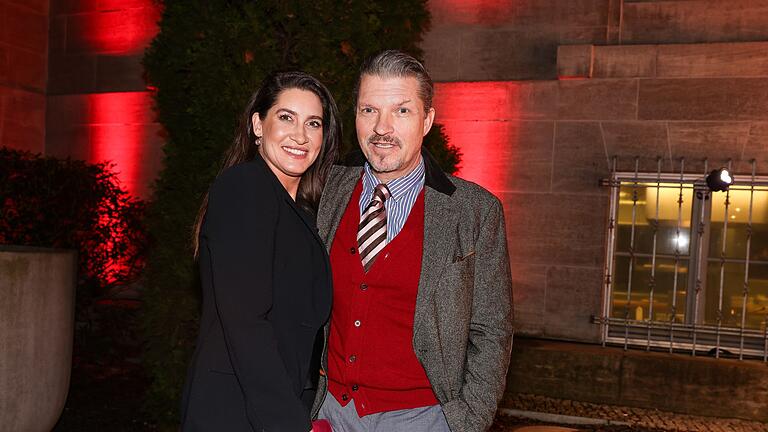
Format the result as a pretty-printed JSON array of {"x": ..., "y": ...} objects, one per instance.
[
  {"x": 500, "y": 128},
  {"x": 113, "y": 26},
  {"x": 476, "y": 117},
  {"x": 506, "y": 133},
  {"x": 23, "y": 70},
  {"x": 486, "y": 12},
  {"x": 98, "y": 106},
  {"x": 119, "y": 127},
  {"x": 114, "y": 135}
]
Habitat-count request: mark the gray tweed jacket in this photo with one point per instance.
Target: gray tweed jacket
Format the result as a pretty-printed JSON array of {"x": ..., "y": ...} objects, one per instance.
[{"x": 463, "y": 322}]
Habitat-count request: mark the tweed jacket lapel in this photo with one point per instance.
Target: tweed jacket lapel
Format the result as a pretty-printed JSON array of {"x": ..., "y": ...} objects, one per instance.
[{"x": 439, "y": 221}]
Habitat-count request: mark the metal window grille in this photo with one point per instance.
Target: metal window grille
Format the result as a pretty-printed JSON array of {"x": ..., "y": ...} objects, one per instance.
[{"x": 686, "y": 268}]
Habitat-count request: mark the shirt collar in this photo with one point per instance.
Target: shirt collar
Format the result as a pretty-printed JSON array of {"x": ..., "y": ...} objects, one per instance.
[{"x": 397, "y": 187}]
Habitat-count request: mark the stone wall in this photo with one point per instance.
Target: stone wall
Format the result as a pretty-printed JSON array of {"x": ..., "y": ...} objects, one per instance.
[
  {"x": 23, "y": 73},
  {"x": 700, "y": 386},
  {"x": 99, "y": 108},
  {"x": 543, "y": 146},
  {"x": 480, "y": 40},
  {"x": 473, "y": 40},
  {"x": 693, "y": 21},
  {"x": 625, "y": 78}
]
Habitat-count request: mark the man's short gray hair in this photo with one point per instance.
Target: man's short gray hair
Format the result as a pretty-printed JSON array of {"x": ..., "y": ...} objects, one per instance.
[{"x": 395, "y": 63}]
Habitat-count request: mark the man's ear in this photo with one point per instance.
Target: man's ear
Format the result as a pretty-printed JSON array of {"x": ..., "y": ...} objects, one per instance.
[
  {"x": 256, "y": 120},
  {"x": 428, "y": 120}
]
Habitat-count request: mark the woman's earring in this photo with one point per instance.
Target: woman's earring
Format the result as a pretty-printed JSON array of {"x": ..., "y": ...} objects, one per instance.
[{"x": 257, "y": 141}]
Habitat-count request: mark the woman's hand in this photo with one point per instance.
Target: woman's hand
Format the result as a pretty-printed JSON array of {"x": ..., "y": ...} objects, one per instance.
[{"x": 321, "y": 426}]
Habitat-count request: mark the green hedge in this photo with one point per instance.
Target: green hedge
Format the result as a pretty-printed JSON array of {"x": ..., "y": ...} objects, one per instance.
[{"x": 208, "y": 58}]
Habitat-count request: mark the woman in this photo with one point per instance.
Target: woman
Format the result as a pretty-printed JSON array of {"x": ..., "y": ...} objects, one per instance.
[{"x": 263, "y": 268}]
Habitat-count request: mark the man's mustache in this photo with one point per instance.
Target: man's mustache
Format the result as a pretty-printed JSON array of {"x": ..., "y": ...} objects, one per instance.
[{"x": 384, "y": 139}]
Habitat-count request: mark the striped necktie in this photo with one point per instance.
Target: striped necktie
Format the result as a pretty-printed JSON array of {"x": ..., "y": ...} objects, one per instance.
[{"x": 372, "y": 232}]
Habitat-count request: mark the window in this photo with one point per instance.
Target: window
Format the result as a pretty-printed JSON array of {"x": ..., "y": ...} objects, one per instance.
[{"x": 687, "y": 269}]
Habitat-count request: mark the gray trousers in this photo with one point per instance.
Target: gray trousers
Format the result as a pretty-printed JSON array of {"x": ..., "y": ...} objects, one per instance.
[{"x": 345, "y": 419}]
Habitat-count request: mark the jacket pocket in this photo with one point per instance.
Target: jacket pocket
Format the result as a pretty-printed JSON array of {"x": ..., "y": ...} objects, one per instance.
[
  {"x": 460, "y": 272},
  {"x": 460, "y": 257}
]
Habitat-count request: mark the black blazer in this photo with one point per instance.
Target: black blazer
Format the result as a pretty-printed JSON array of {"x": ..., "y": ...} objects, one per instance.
[{"x": 266, "y": 286}]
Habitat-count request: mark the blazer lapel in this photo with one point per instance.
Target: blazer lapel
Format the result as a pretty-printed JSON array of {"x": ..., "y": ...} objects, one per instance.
[
  {"x": 334, "y": 201},
  {"x": 280, "y": 191},
  {"x": 439, "y": 220},
  {"x": 304, "y": 218}
]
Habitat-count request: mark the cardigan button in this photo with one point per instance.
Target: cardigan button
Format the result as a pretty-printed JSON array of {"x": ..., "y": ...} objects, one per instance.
[
  {"x": 344, "y": 397},
  {"x": 354, "y": 387},
  {"x": 352, "y": 251},
  {"x": 352, "y": 358},
  {"x": 363, "y": 286}
]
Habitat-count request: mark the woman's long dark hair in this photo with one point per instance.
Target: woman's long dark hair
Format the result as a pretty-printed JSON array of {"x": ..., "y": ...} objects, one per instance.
[{"x": 244, "y": 148}]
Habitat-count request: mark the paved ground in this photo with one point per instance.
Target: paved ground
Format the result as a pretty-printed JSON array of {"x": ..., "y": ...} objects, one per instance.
[{"x": 635, "y": 419}]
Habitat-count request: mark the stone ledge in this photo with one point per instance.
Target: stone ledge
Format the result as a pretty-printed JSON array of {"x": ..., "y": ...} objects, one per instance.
[
  {"x": 578, "y": 414},
  {"x": 711, "y": 60},
  {"x": 671, "y": 382},
  {"x": 693, "y": 21}
]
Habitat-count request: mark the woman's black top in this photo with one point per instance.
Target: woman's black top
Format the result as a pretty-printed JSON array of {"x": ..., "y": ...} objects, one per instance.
[{"x": 266, "y": 287}]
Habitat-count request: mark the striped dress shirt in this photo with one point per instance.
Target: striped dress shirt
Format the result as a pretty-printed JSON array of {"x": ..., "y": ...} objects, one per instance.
[{"x": 404, "y": 191}]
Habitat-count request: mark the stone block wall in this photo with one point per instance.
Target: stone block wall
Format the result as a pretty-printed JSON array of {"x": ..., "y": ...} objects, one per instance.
[
  {"x": 691, "y": 385},
  {"x": 23, "y": 73},
  {"x": 99, "y": 108},
  {"x": 543, "y": 146},
  {"x": 97, "y": 46},
  {"x": 685, "y": 21},
  {"x": 482, "y": 40}
]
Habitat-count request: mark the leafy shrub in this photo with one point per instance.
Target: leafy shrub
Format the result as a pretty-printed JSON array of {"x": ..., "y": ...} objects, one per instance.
[
  {"x": 207, "y": 60},
  {"x": 72, "y": 204}
]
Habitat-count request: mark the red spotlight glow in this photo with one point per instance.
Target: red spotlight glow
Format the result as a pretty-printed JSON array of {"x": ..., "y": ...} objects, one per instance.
[
  {"x": 483, "y": 12},
  {"x": 114, "y": 28},
  {"x": 118, "y": 134},
  {"x": 479, "y": 119}
]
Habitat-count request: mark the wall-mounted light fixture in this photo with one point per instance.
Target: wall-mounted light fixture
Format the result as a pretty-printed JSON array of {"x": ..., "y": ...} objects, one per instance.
[{"x": 719, "y": 180}]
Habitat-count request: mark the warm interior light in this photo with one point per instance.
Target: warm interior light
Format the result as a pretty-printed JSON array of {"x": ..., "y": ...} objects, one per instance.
[
  {"x": 681, "y": 241},
  {"x": 739, "y": 197}
]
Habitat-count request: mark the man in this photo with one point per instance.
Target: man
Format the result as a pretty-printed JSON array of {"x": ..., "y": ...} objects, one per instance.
[{"x": 421, "y": 327}]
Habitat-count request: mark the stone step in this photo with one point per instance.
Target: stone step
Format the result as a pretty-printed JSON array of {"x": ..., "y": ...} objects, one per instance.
[
  {"x": 699, "y": 386},
  {"x": 716, "y": 60},
  {"x": 681, "y": 21}
]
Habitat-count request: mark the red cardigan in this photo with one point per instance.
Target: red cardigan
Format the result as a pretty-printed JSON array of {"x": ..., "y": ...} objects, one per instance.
[{"x": 370, "y": 349}]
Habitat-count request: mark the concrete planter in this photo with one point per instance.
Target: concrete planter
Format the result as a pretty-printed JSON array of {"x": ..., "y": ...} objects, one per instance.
[{"x": 37, "y": 299}]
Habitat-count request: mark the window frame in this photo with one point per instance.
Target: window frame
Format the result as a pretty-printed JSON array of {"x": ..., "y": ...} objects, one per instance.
[{"x": 693, "y": 335}]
